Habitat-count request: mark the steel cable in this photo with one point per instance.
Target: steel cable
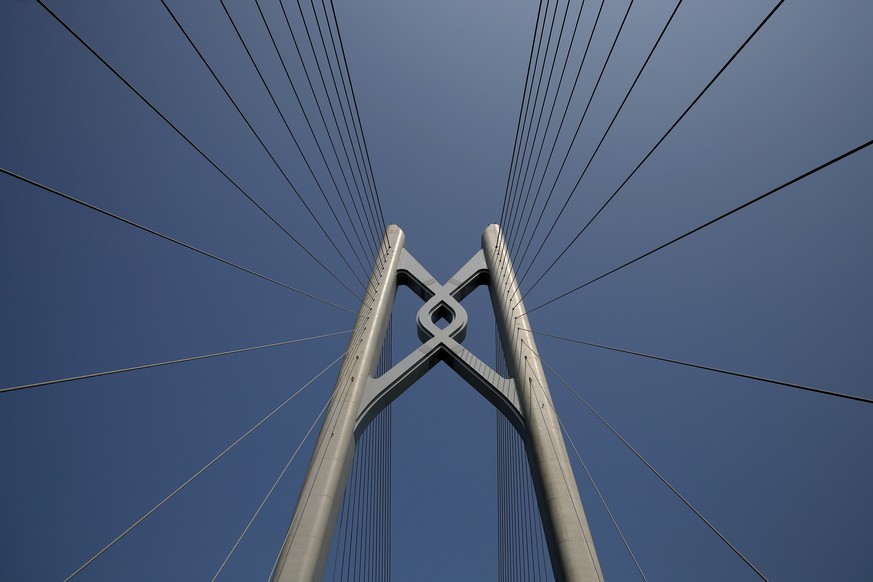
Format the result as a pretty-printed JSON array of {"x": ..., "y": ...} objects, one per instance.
[
  {"x": 651, "y": 151},
  {"x": 605, "y": 133},
  {"x": 506, "y": 200},
  {"x": 602, "y": 499},
  {"x": 357, "y": 117},
  {"x": 704, "y": 225},
  {"x": 710, "y": 368},
  {"x": 539, "y": 405},
  {"x": 314, "y": 137},
  {"x": 233, "y": 182},
  {"x": 525, "y": 133},
  {"x": 554, "y": 103},
  {"x": 521, "y": 176},
  {"x": 317, "y": 101},
  {"x": 297, "y": 144},
  {"x": 166, "y": 363},
  {"x": 169, "y": 238},
  {"x": 594, "y": 91},
  {"x": 336, "y": 85},
  {"x": 656, "y": 473},
  {"x": 252, "y": 129},
  {"x": 271, "y": 490},
  {"x": 201, "y": 470},
  {"x": 570, "y": 98}
]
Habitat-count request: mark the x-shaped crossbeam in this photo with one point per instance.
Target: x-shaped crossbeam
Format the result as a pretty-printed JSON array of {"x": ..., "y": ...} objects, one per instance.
[{"x": 440, "y": 344}]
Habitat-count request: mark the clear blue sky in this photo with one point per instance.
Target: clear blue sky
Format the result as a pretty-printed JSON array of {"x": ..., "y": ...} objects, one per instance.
[{"x": 779, "y": 290}]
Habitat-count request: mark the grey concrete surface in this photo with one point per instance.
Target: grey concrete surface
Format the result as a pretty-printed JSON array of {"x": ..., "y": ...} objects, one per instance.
[
  {"x": 571, "y": 547},
  {"x": 307, "y": 544}
]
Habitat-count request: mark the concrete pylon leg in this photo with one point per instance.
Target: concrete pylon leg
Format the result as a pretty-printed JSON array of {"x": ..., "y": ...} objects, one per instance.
[
  {"x": 570, "y": 545},
  {"x": 307, "y": 544}
]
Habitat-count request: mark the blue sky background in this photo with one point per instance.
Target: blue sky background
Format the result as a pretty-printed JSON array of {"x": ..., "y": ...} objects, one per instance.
[{"x": 780, "y": 290}]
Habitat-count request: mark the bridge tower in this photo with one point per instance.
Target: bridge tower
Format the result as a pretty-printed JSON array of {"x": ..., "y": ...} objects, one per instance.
[{"x": 524, "y": 399}]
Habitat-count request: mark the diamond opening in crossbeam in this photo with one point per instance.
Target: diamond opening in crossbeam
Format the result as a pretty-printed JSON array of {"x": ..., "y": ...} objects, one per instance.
[{"x": 442, "y": 316}]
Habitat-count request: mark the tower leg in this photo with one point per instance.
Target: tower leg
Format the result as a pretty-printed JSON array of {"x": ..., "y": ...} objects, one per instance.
[
  {"x": 570, "y": 545},
  {"x": 305, "y": 550}
]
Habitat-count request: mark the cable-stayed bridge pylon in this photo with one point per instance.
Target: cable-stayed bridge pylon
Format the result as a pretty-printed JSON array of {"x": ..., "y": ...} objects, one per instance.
[{"x": 358, "y": 397}]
